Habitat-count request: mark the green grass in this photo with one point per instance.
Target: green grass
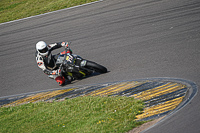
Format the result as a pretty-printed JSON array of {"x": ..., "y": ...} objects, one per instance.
[
  {"x": 81, "y": 114},
  {"x": 17, "y": 9}
]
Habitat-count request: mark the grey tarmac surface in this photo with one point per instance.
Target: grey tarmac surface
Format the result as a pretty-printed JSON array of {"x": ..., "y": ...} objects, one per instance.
[{"x": 133, "y": 39}]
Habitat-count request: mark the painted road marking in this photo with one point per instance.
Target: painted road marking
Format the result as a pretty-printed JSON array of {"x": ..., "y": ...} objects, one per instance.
[
  {"x": 161, "y": 96},
  {"x": 39, "y": 97},
  {"x": 161, "y": 90},
  {"x": 112, "y": 89},
  {"x": 160, "y": 108}
]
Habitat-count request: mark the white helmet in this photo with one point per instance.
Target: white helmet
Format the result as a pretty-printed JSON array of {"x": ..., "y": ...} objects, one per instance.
[{"x": 42, "y": 48}]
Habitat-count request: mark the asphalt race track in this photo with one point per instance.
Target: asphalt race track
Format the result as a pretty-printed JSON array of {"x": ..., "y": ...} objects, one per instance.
[{"x": 134, "y": 39}]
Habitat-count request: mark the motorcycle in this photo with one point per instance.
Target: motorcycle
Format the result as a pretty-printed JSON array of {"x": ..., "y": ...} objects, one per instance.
[{"x": 74, "y": 67}]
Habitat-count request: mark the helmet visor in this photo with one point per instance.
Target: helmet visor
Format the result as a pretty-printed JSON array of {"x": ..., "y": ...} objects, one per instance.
[{"x": 44, "y": 50}]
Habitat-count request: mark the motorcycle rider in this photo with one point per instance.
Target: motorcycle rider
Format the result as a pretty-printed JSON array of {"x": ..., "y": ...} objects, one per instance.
[{"x": 47, "y": 62}]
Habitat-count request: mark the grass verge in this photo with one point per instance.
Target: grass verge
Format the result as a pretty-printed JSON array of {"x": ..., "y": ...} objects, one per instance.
[
  {"x": 81, "y": 114},
  {"x": 17, "y": 9}
]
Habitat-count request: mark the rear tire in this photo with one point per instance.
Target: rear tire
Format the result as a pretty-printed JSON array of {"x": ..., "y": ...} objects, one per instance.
[{"x": 96, "y": 67}]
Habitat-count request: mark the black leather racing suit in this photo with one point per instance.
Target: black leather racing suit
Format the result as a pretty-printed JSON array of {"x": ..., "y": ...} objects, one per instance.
[{"x": 48, "y": 63}]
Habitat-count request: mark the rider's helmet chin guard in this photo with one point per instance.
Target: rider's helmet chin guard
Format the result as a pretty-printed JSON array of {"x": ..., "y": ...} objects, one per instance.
[{"x": 42, "y": 48}]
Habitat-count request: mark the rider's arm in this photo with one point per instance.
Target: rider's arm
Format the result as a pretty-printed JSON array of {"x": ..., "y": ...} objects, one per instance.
[{"x": 57, "y": 45}]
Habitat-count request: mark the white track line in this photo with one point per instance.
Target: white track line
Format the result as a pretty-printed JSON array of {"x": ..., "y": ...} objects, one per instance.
[{"x": 51, "y": 12}]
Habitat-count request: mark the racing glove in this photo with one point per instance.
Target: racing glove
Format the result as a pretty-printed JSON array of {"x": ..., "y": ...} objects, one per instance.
[
  {"x": 65, "y": 44},
  {"x": 56, "y": 72}
]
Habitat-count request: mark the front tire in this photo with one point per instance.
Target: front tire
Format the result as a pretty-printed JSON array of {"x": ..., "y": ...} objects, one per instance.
[{"x": 96, "y": 67}]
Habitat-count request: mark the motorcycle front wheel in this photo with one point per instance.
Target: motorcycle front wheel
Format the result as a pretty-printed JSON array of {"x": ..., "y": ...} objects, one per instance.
[{"x": 95, "y": 67}]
